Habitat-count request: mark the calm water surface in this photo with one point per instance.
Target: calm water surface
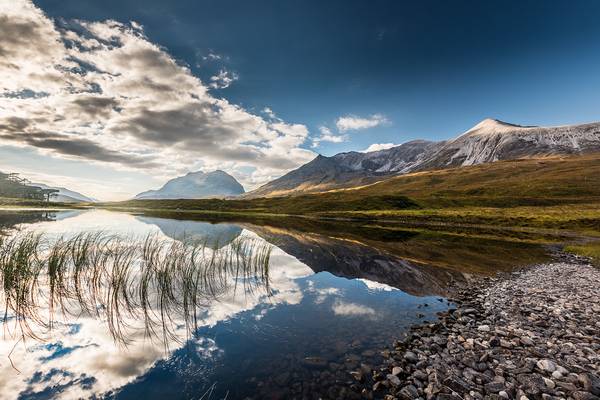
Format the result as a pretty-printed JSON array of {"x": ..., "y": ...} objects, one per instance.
[{"x": 335, "y": 297}]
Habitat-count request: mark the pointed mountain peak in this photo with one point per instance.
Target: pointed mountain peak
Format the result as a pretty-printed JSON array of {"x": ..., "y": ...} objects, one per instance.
[{"x": 491, "y": 126}]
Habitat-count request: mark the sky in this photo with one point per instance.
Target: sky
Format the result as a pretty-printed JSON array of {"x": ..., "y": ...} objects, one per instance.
[{"x": 115, "y": 97}]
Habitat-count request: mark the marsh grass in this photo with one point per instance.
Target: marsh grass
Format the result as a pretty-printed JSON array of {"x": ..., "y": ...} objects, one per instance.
[{"x": 123, "y": 281}]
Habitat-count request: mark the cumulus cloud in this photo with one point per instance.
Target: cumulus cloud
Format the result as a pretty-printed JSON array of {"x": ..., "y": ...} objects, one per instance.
[
  {"x": 328, "y": 136},
  {"x": 101, "y": 91},
  {"x": 353, "y": 122},
  {"x": 378, "y": 147}
]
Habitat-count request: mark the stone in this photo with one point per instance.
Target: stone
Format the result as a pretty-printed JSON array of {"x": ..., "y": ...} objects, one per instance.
[
  {"x": 526, "y": 341},
  {"x": 456, "y": 384},
  {"x": 546, "y": 365},
  {"x": 494, "y": 387},
  {"x": 557, "y": 375},
  {"x": 483, "y": 328},
  {"x": 393, "y": 379},
  {"x": 420, "y": 375},
  {"x": 409, "y": 392},
  {"x": 397, "y": 371},
  {"x": 411, "y": 357},
  {"x": 550, "y": 383},
  {"x": 562, "y": 370}
]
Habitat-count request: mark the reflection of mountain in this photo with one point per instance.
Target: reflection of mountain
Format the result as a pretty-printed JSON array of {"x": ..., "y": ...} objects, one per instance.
[
  {"x": 194, "y": 232},
  {"x": 418, "y": 263},
  {"x": 351, "y": 259}
]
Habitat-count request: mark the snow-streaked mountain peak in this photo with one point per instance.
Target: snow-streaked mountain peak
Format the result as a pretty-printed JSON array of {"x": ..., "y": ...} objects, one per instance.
[{"x": 490, "y": 126}]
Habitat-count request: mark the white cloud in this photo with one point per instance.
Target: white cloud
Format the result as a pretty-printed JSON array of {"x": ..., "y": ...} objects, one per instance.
[
  {"x": 223, "y": 79},
  {"x": 328, "y": 136},
  {"x": 378, "y": 147},
  {"x": 270, "y": 113},
  {"x": 352, "y": 122},
  {"x": 102, "y": 92}
]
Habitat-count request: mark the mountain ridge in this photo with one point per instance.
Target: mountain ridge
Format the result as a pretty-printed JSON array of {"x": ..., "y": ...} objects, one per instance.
[{"x": 488, "y": 141}]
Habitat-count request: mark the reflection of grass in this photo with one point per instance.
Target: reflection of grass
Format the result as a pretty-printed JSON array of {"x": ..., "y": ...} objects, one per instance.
[
  {"x": 591, "y": 250},
  {"x": 117, "y": 279},
  {"x": 583, "y": 217}
]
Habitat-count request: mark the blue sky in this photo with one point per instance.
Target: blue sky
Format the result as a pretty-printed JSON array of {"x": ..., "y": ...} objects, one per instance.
[{"x": 396, "y": 70}]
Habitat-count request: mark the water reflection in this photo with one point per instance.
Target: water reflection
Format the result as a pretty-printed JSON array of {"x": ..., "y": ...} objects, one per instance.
[
  {"x": 195, "y": 232},
  {"x": 320, "y": 306}
]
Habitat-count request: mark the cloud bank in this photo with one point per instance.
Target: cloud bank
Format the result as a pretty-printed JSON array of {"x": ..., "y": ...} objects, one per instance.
[{"x": 103, "y": 92}]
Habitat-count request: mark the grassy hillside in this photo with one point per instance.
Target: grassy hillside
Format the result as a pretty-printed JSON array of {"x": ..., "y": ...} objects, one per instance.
[{"x": 533, "y": 182}]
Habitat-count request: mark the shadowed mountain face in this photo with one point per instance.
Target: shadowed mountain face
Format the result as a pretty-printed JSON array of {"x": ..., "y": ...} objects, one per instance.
[
  {"x": 197, "y": 185},
  {"x": 489, "y": 141},
  {"x": 194, "y": 232}
]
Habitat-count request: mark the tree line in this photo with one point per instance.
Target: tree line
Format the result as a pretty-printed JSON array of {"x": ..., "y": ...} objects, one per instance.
[{"x": 12, "y": 185}]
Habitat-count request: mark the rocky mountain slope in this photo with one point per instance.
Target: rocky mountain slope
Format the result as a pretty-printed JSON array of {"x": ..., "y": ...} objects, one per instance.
[
  {"x": 490, "y": 140},
  {"x": 493, "y": 140},
  {"x": 196, "y": 185},
  {"x": 65, "y": 195}
]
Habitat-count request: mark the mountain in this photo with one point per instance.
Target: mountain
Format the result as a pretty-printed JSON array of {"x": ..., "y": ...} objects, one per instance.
[
  {"x": 493, "y": 140},
  {"x": 490, "y": 140},
  {"x": 349, "y": 169},
  {"x": 196, "y": 185},
  {"x": 66, "y": 195}
]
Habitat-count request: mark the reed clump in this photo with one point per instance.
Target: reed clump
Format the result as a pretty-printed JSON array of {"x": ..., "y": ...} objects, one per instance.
[{"x": 158, "y": 283}]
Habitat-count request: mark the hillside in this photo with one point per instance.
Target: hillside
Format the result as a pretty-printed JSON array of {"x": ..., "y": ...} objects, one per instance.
[
  {"x": 489, "y": 141},
  {"x": 65, "y": 195},
  {"x": 551, "y": 180}
]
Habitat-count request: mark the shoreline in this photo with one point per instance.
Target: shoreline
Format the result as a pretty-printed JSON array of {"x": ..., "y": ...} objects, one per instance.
[{"x": 530, "y": 334}]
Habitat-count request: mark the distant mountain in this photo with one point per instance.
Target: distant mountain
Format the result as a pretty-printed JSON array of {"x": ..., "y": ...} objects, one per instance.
[
  {"x": 196, "y": 185},
  {"x": 66, "y": 195},
  {"x": 490, "y": 140}
]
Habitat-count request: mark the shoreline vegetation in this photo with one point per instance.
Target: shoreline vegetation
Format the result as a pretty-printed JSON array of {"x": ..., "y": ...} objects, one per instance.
[{"x": 132, "y": 283}]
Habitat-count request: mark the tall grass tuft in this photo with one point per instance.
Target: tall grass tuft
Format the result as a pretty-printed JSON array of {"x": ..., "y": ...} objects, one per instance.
[{"x": 123, "y": 281}]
